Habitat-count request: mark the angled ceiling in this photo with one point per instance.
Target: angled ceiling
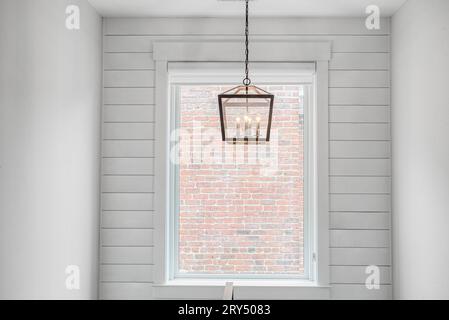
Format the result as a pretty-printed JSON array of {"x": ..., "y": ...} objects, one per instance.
[{"x": 226, "y": 8}]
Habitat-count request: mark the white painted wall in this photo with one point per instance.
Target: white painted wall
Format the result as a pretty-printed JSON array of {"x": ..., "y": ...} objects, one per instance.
[
  {"x": 360, "y": 164},
  {"x": 420, "y": 111},
  {"x": 50, "y": 97}
]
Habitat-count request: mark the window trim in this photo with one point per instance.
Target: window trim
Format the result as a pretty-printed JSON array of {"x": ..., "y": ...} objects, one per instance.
[{"x": 317, "y": 52}]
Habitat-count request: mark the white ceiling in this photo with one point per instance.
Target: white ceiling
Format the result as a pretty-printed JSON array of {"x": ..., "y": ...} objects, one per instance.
[{"x": 226, "y": 8}]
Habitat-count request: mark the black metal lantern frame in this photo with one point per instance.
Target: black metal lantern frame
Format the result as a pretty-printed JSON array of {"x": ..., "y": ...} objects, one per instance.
[
  {"x": 246, "y": 113},
  {"x": 246, "y": 102}
]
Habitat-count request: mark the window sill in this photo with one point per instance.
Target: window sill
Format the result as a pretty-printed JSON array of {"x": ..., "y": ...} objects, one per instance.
[{"x": 243, "y": 290}]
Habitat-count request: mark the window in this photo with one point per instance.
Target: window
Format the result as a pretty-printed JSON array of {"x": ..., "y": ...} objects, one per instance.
[
  {"x": 182, "y": 63},
  {"x": 240, "y": 211}
]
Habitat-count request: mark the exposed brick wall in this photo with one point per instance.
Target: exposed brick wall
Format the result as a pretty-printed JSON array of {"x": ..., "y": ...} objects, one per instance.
[{"x": 233, "y": 217}]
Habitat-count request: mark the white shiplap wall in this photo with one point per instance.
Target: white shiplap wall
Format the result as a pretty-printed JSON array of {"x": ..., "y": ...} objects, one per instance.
[{"x": 359, "y": 145}]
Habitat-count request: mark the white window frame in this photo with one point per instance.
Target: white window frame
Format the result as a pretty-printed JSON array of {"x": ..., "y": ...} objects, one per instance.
[
  {"x": 230, "y": 74},
  {"x": 295, "y": 52}
]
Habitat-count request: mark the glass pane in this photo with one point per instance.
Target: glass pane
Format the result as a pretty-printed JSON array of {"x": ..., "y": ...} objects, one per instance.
[{"x": 241, "y": 207}]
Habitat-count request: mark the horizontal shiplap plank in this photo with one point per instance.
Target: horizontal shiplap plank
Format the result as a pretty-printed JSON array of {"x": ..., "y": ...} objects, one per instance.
[
  {"x": 129, "y": 96},
  {"x": 127, "y": 237},
  {"x": 360, "y": 292},
  {"x": 357, "y": 79},
  {"x": 128, "y": 61},
  {"x": 360, "y": 167},
  {"x": 360, "y": 185},
  {"x": 360, "y": 220},
  {"x": 360, "y": 149},
  {"x": 360, "y": 61},
  {"x": 357, "y": 275},
  {"x": 281, "y": 292},
  {"x": 234, "y": 26},
  {"x": 118, "y": 166},
  {"x": 143, "y": 44},
  {"x": 359, "y": 44},
  {"x": 360, "y": 256},
  {"x": 360, "y": 238},
  {"x": 129, "y": 79},
  {"x": 128, "y": 44},
  {"x": 127, "y": 184},
  {"x": 128, "y": 113},
  {"x": 136, "y": 131},
  {"x": 359, "y": 114},
  {"x": 127, "y": 219},
  {"x": 360, "y": 202},
  {"x": 359, "y": 131},
  {"x": 188, "y": 292},
  {"x": 128, "y": 148},
  {"x": 126, "y": 273},
  {"x": 126, "y": 291},
  {"x": 127, "y": 255},
  {"x": 359, "y": 96},
  {"x": 127, "y": 201}
]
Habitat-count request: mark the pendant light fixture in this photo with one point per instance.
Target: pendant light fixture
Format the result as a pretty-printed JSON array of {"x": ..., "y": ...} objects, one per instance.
[{"x": 246, "y": 111}]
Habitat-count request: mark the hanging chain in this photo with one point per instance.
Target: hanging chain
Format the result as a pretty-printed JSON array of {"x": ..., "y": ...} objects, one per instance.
[{"x": 247, "y": 80}]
